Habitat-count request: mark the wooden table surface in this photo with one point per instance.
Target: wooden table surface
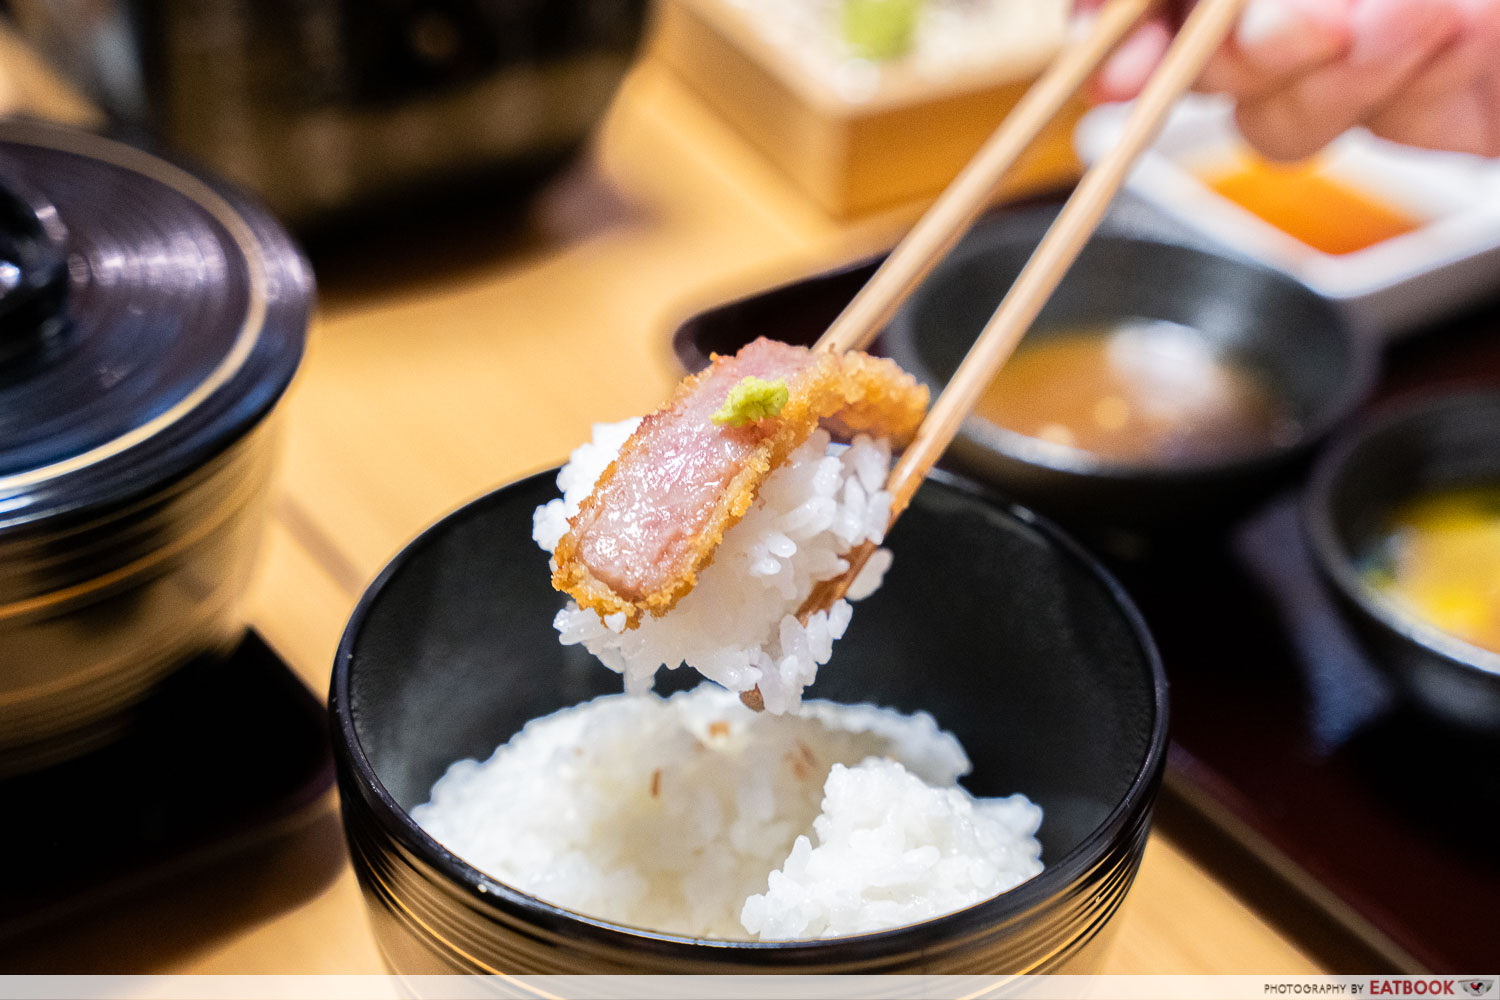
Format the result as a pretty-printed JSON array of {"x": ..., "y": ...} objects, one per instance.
[{"x": 440, "y": 370}]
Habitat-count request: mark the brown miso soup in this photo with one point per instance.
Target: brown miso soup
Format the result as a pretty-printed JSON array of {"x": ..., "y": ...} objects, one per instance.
[{"x": 1139, "y": 392}]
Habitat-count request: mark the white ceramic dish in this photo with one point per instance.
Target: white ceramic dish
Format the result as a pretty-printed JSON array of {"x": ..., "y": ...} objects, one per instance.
[{"x": 1451, "y": 261}]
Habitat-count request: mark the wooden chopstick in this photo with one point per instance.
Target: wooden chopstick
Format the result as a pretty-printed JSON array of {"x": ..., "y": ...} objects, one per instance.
[
  {"x": 955, "y": 210},
  {"x": 1204, "y": 31}
]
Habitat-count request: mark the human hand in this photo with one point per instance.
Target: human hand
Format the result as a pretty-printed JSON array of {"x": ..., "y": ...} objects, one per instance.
[{"x": 1301, "y": 72}]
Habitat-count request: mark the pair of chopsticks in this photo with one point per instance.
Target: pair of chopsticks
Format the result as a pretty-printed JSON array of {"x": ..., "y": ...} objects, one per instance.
[{"x": 961, "y": 203}]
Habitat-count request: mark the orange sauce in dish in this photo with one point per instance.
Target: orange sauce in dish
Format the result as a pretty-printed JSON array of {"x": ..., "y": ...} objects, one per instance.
[
  {"x": 1140, "y": 392},
  {"x": 1305, "y": 203}
]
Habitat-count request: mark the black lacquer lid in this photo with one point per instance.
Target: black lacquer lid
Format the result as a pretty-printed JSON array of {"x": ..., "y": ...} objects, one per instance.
[{"x": 148, "y": 319}]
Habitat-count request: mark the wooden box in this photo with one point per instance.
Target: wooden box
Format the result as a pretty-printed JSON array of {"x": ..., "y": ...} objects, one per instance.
[{"x": 902, "y": 142}]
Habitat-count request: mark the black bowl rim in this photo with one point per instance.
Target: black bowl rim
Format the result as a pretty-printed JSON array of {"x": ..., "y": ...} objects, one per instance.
[
  {"x": 1337, "y": 564},
  {"x": 977, "y": 432},
  {"x": 485, "y": 891}
]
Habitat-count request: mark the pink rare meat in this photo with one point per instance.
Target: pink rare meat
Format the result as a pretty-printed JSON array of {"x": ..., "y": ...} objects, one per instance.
[{"x": 659, "y": 511}]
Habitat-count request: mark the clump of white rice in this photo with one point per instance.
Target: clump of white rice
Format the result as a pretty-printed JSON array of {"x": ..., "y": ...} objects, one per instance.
[
  {"x": 696, "y": 816},
  {"x": 894, "y": 850},
  {"x": 738, "y": 626}
]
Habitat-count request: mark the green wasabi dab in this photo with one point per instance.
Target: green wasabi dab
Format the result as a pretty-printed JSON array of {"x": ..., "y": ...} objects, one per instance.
[
  {"x": 880, "y": 30},
  {"x": 750, "y": 400}
]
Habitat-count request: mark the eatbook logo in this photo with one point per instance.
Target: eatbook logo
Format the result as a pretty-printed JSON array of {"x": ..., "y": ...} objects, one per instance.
[{"x": 1478, "y": 987}]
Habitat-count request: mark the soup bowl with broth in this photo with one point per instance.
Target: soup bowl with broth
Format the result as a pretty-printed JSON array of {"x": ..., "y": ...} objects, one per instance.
[{"x": 1163, "y": 385}]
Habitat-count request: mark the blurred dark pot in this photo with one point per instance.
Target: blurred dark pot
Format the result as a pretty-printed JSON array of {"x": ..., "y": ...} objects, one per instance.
[
  {"x": 150, "y": 324},
  {"x": 331, "y": 109}
]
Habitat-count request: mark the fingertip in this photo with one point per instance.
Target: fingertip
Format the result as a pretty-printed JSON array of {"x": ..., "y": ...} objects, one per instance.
[
  {"x": 1126, "y": 72},
  {"x": 1391, "y": 29},
  {"x": 1287, "y": 36},
  {"x": 1457, "y": 124},
  {"x": 1484, "y": 18},
  {"x": 1268, "y": 126}
]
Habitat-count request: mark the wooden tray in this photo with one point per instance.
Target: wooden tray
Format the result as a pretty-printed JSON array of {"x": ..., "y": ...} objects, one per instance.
[
  {"x": 902, "y": 143},
  {"x": 225, "y": 756},
  {"x": 1285, "y": 738}
]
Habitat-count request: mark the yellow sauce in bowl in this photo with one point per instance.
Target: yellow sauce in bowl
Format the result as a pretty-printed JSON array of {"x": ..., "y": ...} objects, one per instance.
[{"x": 1440, "y": 560}]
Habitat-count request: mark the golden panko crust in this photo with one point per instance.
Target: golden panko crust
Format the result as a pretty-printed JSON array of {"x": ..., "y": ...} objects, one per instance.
[{"x": 849, "y": 393}]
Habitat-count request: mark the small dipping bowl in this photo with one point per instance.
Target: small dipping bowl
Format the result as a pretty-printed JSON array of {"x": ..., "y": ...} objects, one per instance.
[
  {"x": 990, "y": 620},
  {"x": 1292, "y": 342},
  {"x": 1408, "y": 452}
]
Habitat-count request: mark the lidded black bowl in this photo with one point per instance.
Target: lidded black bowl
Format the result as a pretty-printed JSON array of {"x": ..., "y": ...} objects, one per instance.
[
  {"x": 990, "y": 620},
  {"x": 149, "y": 321}
]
